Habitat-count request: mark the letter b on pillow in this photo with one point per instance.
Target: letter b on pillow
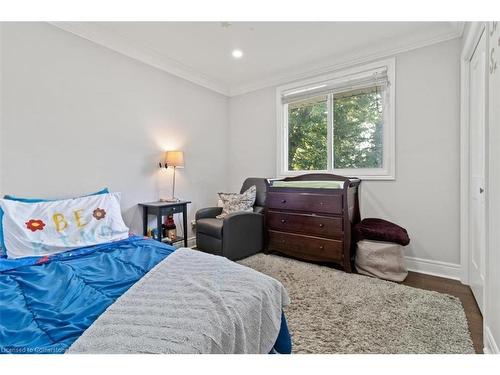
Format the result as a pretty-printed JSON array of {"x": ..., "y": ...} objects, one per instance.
[{"x": 60, "y": 222}]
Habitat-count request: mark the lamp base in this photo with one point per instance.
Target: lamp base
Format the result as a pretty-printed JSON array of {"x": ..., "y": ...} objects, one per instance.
[{"x": 173, "y": 199}]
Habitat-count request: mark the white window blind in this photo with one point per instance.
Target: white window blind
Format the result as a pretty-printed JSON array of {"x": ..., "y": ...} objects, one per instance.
[{"x": 372, "y": 78}]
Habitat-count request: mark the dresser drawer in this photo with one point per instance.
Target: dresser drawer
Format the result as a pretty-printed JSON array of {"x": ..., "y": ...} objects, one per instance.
[
  {"x": 313, "y": 225},
  {"x": 321, "y": 203},
  {"x": 306, "y": 247}
]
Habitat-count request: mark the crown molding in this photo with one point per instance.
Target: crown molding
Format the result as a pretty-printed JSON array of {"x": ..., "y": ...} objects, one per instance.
[
  {"x": 348, "y": 60},
  {"x": 118, "y": 43}
]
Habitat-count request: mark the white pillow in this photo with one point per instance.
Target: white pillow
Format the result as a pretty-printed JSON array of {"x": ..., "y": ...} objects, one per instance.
[{"x": 45, "y": 228}]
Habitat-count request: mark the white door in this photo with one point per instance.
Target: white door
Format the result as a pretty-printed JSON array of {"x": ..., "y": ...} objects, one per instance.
[{"x": 477, "y": 219}]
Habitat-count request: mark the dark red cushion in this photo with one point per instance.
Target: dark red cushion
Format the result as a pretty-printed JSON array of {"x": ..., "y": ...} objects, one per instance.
[{"x": 380, "y": 230}]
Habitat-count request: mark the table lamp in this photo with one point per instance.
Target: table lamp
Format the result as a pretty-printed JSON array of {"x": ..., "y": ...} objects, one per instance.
[{"x": 173, "y": 159}]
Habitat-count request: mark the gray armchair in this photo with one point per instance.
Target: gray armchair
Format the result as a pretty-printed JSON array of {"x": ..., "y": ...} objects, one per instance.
[{"x": 238, "y": 235}]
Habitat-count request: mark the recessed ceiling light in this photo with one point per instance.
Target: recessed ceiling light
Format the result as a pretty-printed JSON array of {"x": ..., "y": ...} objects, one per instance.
[{"x": 237, "y": 54}]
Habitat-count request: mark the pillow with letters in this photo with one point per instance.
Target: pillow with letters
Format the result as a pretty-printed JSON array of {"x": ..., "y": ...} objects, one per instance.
[
  {"x": 46, "y": 228},
  {"x": 30, "y": 200}
]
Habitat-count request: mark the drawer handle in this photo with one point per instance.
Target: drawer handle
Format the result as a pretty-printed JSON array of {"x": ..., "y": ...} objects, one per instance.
[
  {"x": 321, "y": 247},
  {"x": 283, "y": 221},
  {"x": 321, "y": 225},
  {"x": 283, "y": 201}
]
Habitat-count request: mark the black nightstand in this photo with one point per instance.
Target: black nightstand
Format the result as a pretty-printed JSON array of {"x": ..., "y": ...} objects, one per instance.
[{"x": 160, "y": 209}]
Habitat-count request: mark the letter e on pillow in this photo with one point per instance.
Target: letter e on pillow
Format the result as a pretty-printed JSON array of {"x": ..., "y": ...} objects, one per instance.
[{"x": 78, "y": 218}]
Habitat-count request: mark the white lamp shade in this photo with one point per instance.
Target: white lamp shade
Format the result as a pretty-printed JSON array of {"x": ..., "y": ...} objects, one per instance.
[{"x": 174, "y": 159}]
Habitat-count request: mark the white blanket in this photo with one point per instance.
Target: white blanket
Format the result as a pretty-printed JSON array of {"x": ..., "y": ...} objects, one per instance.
[{"x": 191, "y": 302}]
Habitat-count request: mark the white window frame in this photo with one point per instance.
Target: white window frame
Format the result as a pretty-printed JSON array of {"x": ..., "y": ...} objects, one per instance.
[{"x": 388, "y": 171}]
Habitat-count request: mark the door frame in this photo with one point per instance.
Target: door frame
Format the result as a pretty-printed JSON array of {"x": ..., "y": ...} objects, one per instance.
[{"x": 471, "y": 40}]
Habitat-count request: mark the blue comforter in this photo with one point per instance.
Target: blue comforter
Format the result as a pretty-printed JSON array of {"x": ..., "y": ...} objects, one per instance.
[{"x": 47, "y": 303}]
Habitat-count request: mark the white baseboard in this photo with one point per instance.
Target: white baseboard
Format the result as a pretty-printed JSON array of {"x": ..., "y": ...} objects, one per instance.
[
  {"x": 191, "y": 243},
  {"x": 434, "y": 268},
  {"x": 490, "y": 345}
]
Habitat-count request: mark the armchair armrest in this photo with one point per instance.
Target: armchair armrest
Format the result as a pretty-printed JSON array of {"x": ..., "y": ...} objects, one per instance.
[
  {"x": 243, "y": 234},
  {"x": 242, "y": 217},
  {"x": 208, "y": 212}
]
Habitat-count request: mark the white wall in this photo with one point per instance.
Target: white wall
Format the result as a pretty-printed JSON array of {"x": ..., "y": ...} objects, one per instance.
[
  {"x": 425, "y": 196},
  {"x": 78, "y": 117},
  {"x": 252, "y": 136},
  {"x": 492, "y": 287}
]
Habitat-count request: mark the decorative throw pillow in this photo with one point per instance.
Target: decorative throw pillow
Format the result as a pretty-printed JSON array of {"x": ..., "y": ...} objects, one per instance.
[
  {"x": 3, "y": 253},
  {"x": 380, "y": 230},
  {"x": 46, "y": 228},
  {"x": 234, "y": 202}
]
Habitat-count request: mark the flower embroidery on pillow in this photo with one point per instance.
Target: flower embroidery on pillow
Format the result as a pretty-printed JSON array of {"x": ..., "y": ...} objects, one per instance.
[
  {"x": 99, "y": 213},
  {"x": 35, "y": 224}
]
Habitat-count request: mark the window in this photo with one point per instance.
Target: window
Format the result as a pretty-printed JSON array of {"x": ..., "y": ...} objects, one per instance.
[
  {"x": 308, "y": 134},
  {"x": 341, "y": 123}
]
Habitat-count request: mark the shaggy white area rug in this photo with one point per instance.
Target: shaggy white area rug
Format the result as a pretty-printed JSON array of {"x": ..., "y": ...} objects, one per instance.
[{"x": 336, "y": 312}]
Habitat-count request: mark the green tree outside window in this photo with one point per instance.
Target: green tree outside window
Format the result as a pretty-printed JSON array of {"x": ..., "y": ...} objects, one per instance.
[
  {"x": 307, "y": 135},
  {"x": 357, "y": 131}
]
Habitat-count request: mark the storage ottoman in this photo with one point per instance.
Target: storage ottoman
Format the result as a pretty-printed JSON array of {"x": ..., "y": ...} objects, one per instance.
[{"x": 384, "y": 260}]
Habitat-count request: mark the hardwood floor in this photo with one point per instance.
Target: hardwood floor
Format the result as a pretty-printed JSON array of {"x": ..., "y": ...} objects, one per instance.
[{"x": 457, "y": 289}]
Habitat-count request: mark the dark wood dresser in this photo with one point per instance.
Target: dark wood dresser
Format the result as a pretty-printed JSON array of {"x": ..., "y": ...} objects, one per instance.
[{"x": 313, "y": 223}]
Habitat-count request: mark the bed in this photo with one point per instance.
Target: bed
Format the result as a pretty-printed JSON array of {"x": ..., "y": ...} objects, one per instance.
[{"x": 67, "y": 302}]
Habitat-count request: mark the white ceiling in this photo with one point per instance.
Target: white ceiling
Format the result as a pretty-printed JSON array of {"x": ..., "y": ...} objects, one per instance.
[{"x": 274, "y": 52}]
